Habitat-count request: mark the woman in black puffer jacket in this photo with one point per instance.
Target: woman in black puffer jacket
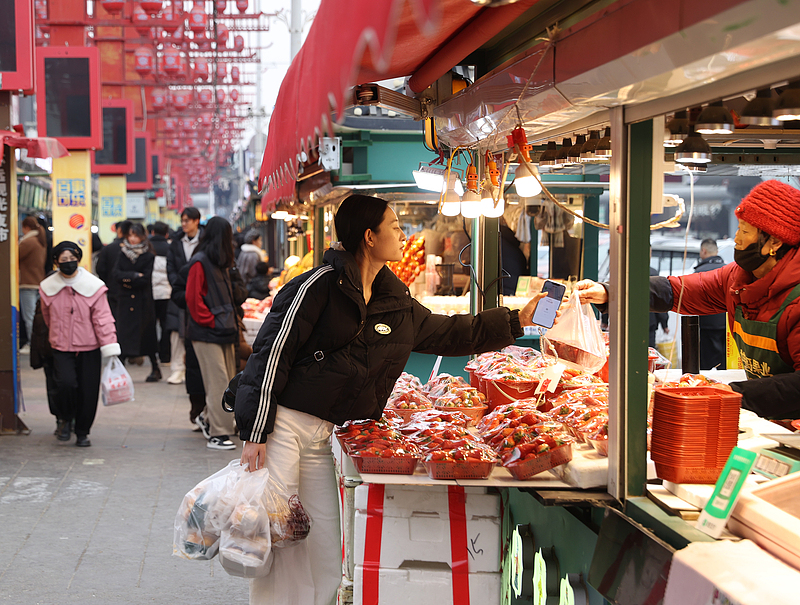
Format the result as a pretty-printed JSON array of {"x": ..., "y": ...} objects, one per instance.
[{"x": 332, "y": 346}]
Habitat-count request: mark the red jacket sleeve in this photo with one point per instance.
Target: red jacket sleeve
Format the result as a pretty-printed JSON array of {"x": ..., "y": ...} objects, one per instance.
[{"x": 196, "y": 289}]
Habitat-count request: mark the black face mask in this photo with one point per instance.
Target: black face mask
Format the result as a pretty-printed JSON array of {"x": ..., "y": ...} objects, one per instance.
[
  {"x": 750, "y": 258},
  {"x": 69, "y": 267}
]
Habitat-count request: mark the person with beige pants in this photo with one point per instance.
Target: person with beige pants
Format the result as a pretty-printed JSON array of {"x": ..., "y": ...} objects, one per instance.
[{"x": 212, "y": 325}]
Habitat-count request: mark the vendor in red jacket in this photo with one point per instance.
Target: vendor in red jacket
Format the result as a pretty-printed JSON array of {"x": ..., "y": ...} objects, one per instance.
[{"x": 760, "y": 291}]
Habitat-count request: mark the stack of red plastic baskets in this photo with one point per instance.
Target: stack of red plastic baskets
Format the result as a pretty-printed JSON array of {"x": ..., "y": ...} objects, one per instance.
[{"x": 694, "y": 431}]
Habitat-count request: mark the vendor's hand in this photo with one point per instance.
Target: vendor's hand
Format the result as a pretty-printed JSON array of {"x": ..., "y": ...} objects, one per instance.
[
  {"x": 526, "y": 313},
  {"x": 254, "y": 455},
  {"x": 591, "y": 292}
]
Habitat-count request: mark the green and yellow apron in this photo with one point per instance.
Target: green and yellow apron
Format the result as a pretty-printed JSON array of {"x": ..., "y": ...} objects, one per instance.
[{"x": 758, "y": 342}]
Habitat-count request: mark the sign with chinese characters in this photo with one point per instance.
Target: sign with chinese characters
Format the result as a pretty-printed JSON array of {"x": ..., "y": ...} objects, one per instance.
[
  {"x": 72, "y": 202},
  {"x": 111, "y": 197},
  {"x": 136, "y": 207}
]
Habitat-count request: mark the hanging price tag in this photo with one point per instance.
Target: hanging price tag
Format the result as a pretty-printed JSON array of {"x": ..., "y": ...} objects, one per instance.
[{"x": 550, "y": 378}]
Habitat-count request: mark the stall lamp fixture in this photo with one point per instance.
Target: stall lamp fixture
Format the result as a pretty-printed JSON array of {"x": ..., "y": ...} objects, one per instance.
[
  {"x": 758, "y": 111},
  {"x": 574, "y": 156},
  {"x": 491, "y": 190},
  {"x": 471, "y": 201},
  {"x": 588, "y": 148},
  {"x": 714, "y": 119},
  {"x": 563, "y": 154},
  {"x": 788, "y": 105},
  {"x": 693, "y": 150},
  {"x": 433, "y": 178},
  {"x": 549, "y": 156},
  {"x": 676, "y": 129},
  {"x": 451, "y": 204},
  {"x": 603, "y": 149},
  {"x": 279, "y": 215},
  {"x": 526, "y": 175}
]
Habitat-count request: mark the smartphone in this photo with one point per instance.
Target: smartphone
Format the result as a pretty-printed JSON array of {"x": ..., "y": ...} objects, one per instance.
[{"x": 545, "y": 314}]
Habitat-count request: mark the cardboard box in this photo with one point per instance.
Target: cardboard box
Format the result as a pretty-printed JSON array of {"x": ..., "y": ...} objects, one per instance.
[{"x": 422, "y": 585}]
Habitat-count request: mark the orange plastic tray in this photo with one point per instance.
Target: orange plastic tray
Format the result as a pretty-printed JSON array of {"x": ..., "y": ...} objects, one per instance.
[
  {"x": 458, "y": 470},
  {"x": 688, "y": 474},
  {"x": 544, "y": 462},
  {"x": 394, "y": 465}
]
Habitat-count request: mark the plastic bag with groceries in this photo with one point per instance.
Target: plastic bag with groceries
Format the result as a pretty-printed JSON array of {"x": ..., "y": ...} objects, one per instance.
[
  {"x": 576, "y": 337},
  {"x": 116, "y": 384},
  {"x": 242, "y": 516}
]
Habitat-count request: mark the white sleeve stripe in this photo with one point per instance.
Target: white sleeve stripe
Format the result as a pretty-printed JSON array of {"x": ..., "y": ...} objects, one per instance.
[{"x": 265, "y": 399}]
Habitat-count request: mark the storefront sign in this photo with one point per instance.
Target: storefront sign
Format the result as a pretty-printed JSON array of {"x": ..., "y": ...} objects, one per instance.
[
  {"x": 72, "y": 202},
  {"x": 136, "y": 206},
  {"x": 111, "y": 194}
]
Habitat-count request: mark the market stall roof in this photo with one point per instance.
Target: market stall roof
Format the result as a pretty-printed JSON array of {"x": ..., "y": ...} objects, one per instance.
[
  {"x": 358, "y": 41},
  {"x": 37, "y": 147}
]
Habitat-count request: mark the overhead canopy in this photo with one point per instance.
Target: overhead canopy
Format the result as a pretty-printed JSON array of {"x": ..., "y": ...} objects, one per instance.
[
  {"x": 37, "y": 147},
  {"x": 358, "y": 41}
]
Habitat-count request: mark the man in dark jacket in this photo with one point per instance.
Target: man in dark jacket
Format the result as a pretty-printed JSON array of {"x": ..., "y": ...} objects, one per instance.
[
  {"x": 657, "y": 319},
  {"x": 712, "y": 327},
  {"x": 161, "y": 286},
  {"x": 107, "y": 261}
]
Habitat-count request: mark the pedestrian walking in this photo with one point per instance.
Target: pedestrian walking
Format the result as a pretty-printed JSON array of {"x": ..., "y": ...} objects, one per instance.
[
  {"x": 162, "y": 290},
  {"x": 212, "y": 324},
  {"x": 136, "y": 314},
  {"x": 32, "y": 253},
  {"x": 81, "y": 334},
  {"x": 107, "y": 260},
  {"x": 251, "y": 254},
  {"x": 336, "y": 339}
]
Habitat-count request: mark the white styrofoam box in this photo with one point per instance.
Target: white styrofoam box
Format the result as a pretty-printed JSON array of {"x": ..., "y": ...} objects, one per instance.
[
  {"x": 423, "y": 585},
  {"x": 416, "y": 527}
]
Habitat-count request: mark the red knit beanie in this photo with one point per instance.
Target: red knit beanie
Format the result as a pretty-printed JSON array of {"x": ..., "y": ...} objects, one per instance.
[{"x": 774, "y": 208}]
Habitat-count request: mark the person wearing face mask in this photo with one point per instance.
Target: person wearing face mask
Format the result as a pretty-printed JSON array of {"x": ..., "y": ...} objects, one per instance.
[
  {"x": 760, "y": 291},
  {"x": 81, "y": 333}
]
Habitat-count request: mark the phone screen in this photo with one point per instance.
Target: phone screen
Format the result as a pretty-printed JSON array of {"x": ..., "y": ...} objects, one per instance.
[{"x": 545, "y": 314}]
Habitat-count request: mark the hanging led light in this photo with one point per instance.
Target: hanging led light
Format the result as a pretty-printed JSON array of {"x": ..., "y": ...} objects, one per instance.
[
  {"x": 574, "y": 155},
  {"x": 603, "y": 149},
  {"x": 562, "y": 159},
  {"x": 525, "y": 176},
  {"x": 788, "y": 105},
  {"x": 587, "y": 150},
  {"x": 676, "y": 129},
  {"x": 491, "y": 190},
  {"x": 758, "y": 111},
  {"x": 549, "y": 155},
  {"x": 693, "y": 150},
  {"x": 471, "y": 201},
  {"x": 715, "y": 119},
  {"x": 451, "y": 204}
]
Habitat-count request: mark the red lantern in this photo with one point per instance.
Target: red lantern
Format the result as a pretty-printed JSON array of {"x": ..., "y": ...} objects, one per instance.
[
  {"x": 175, "y": 143},
  {"x": 235, "y": 74},
  {"x": 201, "y": 69},
  {"x": 220, "y": 96},
  {"x": 112, "y": 7},
  {"x": 144, "y": 61},
  {"x": 234, "y": 95},
  {"x": 141, "y": 22},
  {"x": 172, "y": 17},
  {"x": 222, "y": 34},
  {"x": 158, "y": 99},
  {"x": 40, "y": 9},
  {"x": 238, "y": 43},
  {"x": 205, "y": 119},
  {"x": 221, "y": 4},
  {"x": 172, "y": 61},
  {"x": 151, "y": 7},
  {"x": 222, "y": 71},
  {"x": 241, "y": 5},
  {"x": 205, "y": 97},
  {"x": 177, "y": 36},
  {"x": 202, "y": 41},
  {"x": 198, "y": 20}
]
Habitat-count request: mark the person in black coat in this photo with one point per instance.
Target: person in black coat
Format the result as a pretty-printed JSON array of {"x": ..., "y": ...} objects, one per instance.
[
  {"x": 657, "y": 319},
  {"x": 514, "y": 261},
  {"x": 136, "y": 316},
  {"x": 712, "y": 327},
  {"x": 161, "y": 286},
  {"x": 107, "y": 261},
  {"x": 259, "y": 285}
]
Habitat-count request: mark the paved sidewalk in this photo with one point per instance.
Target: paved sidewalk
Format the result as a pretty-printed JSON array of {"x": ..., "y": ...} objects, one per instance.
[{"x": 94, "y": 525}]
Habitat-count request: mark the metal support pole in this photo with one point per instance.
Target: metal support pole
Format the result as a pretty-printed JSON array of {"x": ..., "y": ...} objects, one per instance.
[
  {"x": 296, "y": 27},
  {"x": 476, "y": 260}
]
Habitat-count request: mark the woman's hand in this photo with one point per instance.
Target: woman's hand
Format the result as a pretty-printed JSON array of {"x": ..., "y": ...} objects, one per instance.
[
  {"x": 526, "y": 313},
  {"x": 591, "y": 292},
  {"x": 254, "y": 455}
]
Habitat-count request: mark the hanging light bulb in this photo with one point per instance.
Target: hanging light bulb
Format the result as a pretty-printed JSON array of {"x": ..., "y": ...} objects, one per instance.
[
  {"x": 549, "y": 156},
  {"x": 693, "y": 150},
  {"x": 715, "y": 119},
  {"x": 788, "y": 105},
  {"x": 451, "y": 204},
  {"x": 676, "y": 129},
  {"x": 471, "y": 201},
  {"x": 491, "y": 190},
  {"x": 525, "y": 175},
  {"x": 574, "y": 156},
  {"x": 758, "y": 112}
]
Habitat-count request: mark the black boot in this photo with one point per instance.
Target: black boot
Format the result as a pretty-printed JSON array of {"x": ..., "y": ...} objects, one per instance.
[
  {"x": 63, "y": 430},
  {"x": 83, "y": 441},
  {"x": 154, "y": 376}
]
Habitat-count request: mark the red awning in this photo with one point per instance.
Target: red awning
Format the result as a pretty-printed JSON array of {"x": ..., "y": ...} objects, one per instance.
[
  {"x": 37, "y": 147},
  {"x": 358, "y": 41}
]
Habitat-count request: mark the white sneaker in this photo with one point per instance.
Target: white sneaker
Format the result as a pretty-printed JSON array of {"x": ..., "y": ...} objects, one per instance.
[
  {"x": 26, "y": 350},
  {"x": 221, "y": 443},
  {"x": 201, "y": 422},
  {"x": 177, "y": 377}
]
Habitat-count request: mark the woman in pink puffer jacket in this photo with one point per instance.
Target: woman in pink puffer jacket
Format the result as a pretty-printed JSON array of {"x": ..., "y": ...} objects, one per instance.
[{"x": 82, "y": 332}]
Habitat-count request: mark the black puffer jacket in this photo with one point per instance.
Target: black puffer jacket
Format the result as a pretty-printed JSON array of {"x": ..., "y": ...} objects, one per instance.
[{"x": 362, "y": 349}]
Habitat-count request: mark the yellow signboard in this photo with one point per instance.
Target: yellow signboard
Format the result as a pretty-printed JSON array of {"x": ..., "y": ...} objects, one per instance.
[
  {"x": 111, "y": 197},
  {"x": 72, "y": 202},
  {"x": 734, "y": 362},
  {"x": 153, "y": 211}
]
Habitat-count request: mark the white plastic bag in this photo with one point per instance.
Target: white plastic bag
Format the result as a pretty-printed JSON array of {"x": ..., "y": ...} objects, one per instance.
[
  {"x": 576, "y": 337},
  {"x": 116, "y": 384}
]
